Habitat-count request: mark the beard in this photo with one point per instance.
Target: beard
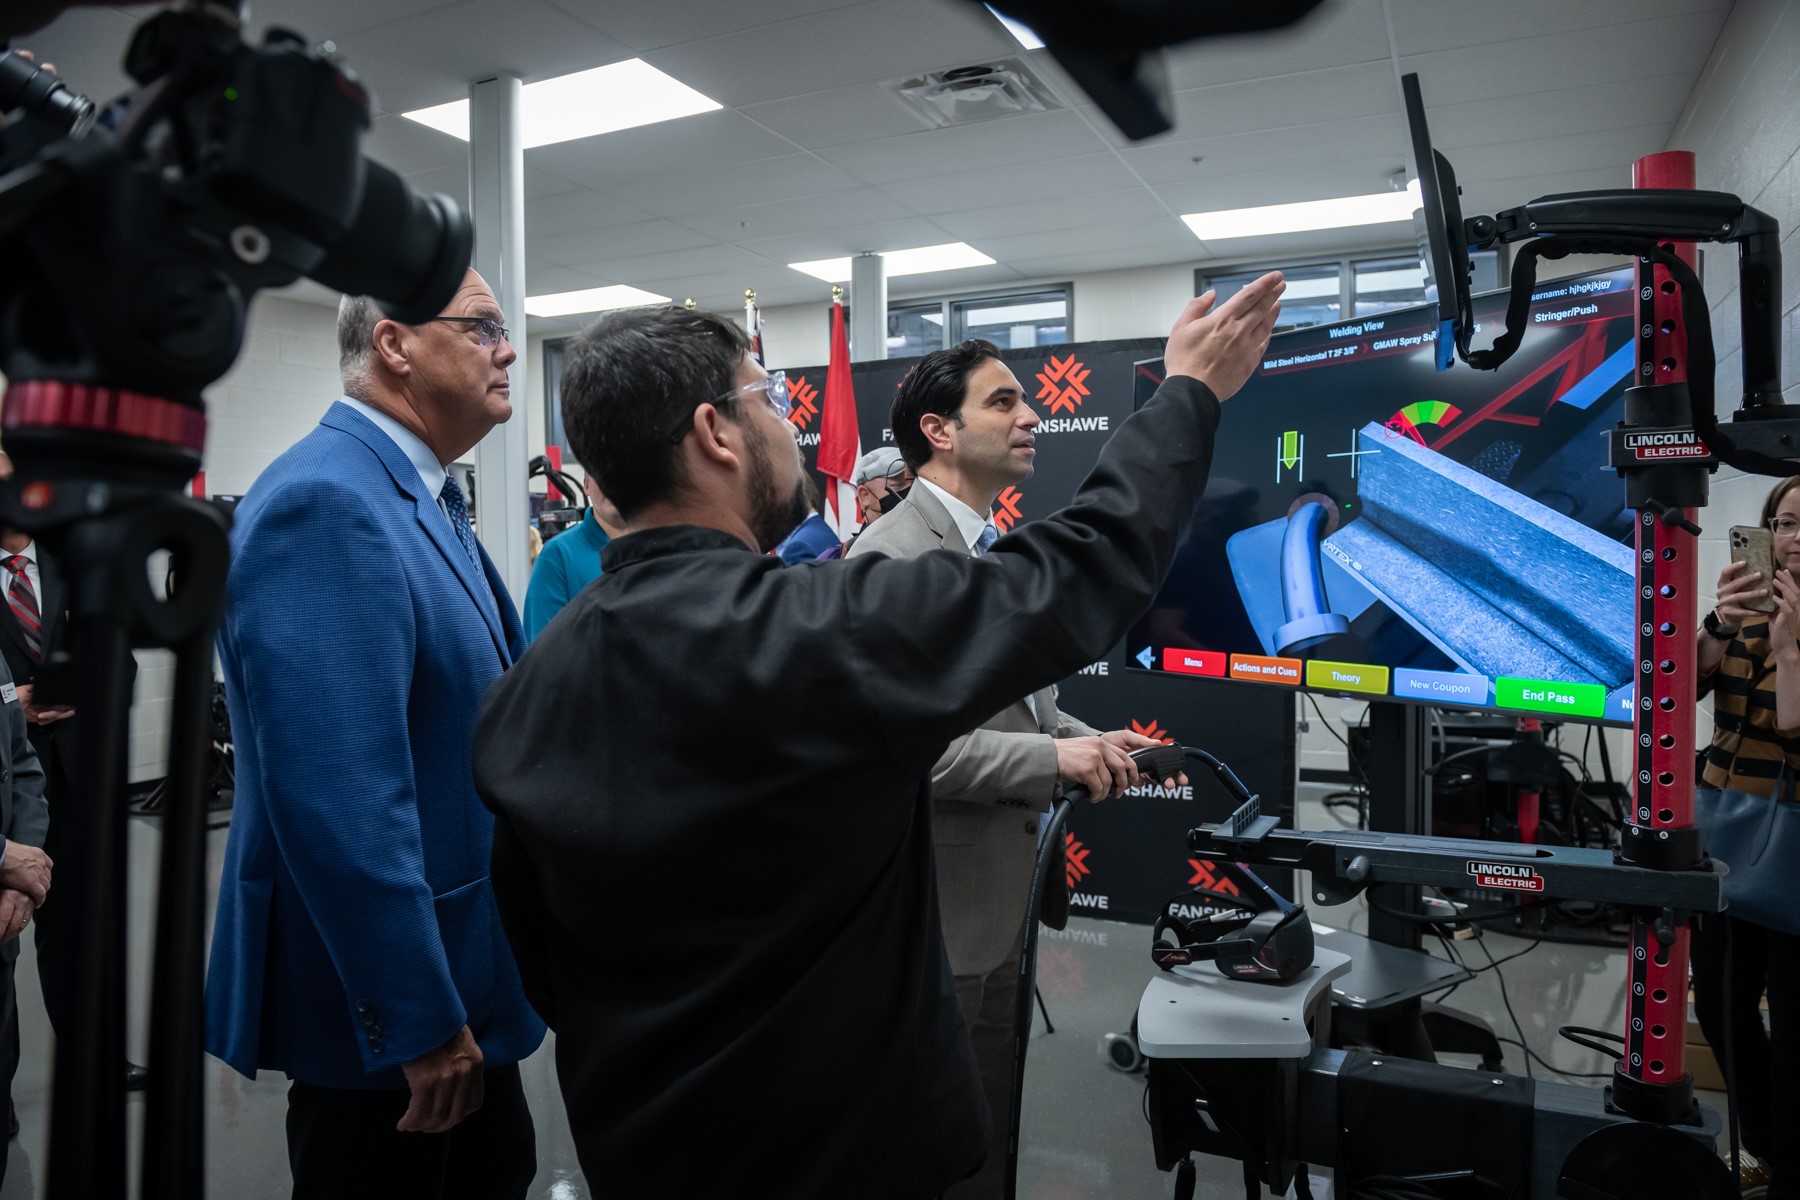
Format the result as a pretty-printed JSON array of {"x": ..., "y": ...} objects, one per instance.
[{"x": 772, "y": 517}]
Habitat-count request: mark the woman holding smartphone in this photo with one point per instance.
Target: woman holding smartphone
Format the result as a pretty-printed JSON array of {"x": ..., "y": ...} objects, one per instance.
[{"x": 1749, "y": 660}]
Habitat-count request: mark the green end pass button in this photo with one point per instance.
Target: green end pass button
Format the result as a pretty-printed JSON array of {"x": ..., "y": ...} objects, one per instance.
[
  {"x": 1549, "y": 696},
  {"x": 1346, "y": 677}
]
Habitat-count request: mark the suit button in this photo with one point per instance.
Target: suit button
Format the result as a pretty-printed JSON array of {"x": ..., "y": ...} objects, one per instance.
[
  {"x": 363, "y": 1006},
  {"x": 376, "y": 1045},
  {"x": 369, "y": 1019},
  {"x": 1031, "y": 828}
]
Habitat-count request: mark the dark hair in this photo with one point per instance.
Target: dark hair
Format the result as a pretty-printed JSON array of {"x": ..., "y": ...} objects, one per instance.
[
  {"x": 936, "y": 384},
  {"x": 629, "y": 380},
  {"x": 1777, "y": 494},
  {"x": 813, "y": 499}
]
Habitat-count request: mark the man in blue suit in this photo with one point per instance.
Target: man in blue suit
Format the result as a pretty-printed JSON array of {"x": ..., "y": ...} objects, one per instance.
[{"x": 358, "y": 948}]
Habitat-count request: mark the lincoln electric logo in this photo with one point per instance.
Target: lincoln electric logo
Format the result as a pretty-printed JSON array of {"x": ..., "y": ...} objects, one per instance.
[
  {"x": 1151, "y": 730},
  {"x": 1206, "y": 877},
  {"x": 1064, "y": 383},
  {"x": 802, "y": 394},
  {"x": 1007, "y": 513},
  {"x": 1076, "y": 861}
]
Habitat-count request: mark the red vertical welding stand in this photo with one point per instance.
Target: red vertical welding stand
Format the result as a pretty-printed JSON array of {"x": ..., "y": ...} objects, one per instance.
[{"x": 1651, "y": 1081}]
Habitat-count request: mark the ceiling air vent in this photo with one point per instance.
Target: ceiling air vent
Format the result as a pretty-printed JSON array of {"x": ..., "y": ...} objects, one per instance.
[{"x": 979, "y": 93}]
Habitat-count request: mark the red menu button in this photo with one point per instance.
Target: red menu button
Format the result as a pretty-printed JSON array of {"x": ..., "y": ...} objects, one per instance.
[{"x": 1195, "y": 662}]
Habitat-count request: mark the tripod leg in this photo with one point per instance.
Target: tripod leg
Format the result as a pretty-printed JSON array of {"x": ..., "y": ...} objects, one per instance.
[{"x": 1048, "y": 1027}]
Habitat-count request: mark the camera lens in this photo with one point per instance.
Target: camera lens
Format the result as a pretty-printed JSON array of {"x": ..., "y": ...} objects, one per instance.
[
  {"x": 407, "y": 251},
  {"x": 27, "y": 86}
]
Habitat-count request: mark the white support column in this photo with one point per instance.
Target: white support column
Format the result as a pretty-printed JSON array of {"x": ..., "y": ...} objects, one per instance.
[
  {"x": 868, "y": 308},
  {"x": 497, "y": 203}
]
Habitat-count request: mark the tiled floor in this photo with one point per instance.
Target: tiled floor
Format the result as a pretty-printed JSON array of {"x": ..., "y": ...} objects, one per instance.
[{"x": 1085, "y": 1139}]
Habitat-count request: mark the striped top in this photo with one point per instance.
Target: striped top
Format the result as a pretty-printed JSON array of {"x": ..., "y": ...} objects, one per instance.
[{"x": 1747, "y": 749}]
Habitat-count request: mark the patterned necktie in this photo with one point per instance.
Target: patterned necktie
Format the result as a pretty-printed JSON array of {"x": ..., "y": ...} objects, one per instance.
[
  {"x": 452, "y": 497},
  {"x": 989, "y": 535},
  {"x": 23, "y": 601}
]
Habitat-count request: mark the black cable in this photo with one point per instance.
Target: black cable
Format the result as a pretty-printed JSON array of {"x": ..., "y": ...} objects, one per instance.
[
  {"x": 1573, "y": 1033},
  {"x": 1530, "y": 1054},
  {"x": 1460, "y": 918}
]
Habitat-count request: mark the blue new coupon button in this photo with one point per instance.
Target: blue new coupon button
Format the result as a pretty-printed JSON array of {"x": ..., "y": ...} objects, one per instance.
[{"x": 1443, "y": 687}]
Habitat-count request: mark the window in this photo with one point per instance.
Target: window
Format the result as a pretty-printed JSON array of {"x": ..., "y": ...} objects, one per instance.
[
  {"x": 1042, "y": 316},
  {"x": 1014, "y": 322},
  {"x": 1320, "y": 293},
  {"x": 915, "y": 329},
  {"x": 553, "y": 425}
]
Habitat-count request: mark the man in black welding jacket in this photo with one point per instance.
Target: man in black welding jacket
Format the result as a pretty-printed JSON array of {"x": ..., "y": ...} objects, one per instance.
[{"x": 711, "y": 773}]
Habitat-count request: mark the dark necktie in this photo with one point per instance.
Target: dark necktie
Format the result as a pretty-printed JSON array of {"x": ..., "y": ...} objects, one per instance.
[
  {"x": 23, "y": 600},
  {"x": 459, "y": 520}
]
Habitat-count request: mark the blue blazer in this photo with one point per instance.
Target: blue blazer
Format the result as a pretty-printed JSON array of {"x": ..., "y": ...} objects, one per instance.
[{"x": 357, "y": 928}]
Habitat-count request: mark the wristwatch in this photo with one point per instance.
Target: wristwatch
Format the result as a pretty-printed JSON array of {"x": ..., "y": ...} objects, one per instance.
[{"x": 1714, "y": 629}]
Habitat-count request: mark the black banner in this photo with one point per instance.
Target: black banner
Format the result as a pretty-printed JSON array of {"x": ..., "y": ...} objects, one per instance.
[{"x": 1128, "y": 856}]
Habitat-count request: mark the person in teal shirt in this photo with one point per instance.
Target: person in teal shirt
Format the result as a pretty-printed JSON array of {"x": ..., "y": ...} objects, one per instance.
[{"x": 569, "y": 561}]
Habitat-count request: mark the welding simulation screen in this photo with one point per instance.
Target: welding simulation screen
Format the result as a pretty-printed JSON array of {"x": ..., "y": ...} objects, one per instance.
[{"x": 1379, "y": 529}]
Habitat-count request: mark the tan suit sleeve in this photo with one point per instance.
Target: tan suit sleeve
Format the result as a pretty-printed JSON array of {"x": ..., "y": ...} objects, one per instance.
[{"x": 991, "y": 767}]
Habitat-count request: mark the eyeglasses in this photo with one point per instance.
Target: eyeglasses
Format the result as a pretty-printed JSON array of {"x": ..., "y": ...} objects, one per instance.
[
  {"x": 487, "y": 330},
  {"x": 1785, "y": 526},
  {"x": 774, "y": 389}
]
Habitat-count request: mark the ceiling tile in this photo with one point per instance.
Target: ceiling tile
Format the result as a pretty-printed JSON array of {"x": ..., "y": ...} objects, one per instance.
[
  {"x": 1586, "y": 108},
  {"x": 451, "y": 181},
  {"x": 646, "y": 271},
  {"x": 806, "y": 246},
  {"x": 614, "y": 160},
  {"x": 1421, "y": 26},
  {"x": 613, "y": 241},
  {"x": 1037, "y": 215},
  {"x": 1076, "y": 175},
  {"x": 333, "y": 19},
  {"x": 830, "y": 118},
  {"x": 1312, "y": 181},
  {"x": 1551, "y": 62},
  {"x": 1165, "y": 232},
  {"x": 648, "y": 24},
  {"x": 979, "y": 147},
  {"x": 882, "y": 40},
  {"x": 738, "y": 184},
  {"x": 800, "y": 215},
  {"x": 1324, "y": 143},
  {"x": 1336, "y": 34},
  {"x": 1510, "y": 161},
  {"x": 545, "y": 278},
  {"x": 576, "y": 210},
  {"x": 1254, "y": 104},
  {"x": 409, "y": 147},
  {"x": 432, "y": 58},
  {"x": 87, "y": 46},
  {"x": 542, "y": 183}
]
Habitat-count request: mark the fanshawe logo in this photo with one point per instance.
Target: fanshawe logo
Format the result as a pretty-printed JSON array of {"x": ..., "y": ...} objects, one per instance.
[
  {"x": 1075, "y": 869},
  {"x": 1075, "y": 860},
  {"x": 1064, "y": 383},
  {"x": 1206, "y": 877},
  {"x": 802, "y": 395},
  {"x": 1006, "y": 512},
  {"x": 1506, "y": 877},
  {"x": 1153, "y": 731}
]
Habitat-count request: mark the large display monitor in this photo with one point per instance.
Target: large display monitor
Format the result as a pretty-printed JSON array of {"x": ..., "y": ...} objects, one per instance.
[{"x": 1377, "y": 529}]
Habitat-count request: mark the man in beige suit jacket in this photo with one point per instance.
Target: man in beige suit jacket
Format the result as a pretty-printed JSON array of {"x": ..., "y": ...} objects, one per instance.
[{"x": 962, "y": 424}]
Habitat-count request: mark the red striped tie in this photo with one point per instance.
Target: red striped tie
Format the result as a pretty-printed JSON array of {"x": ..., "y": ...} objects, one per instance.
[{"x": 23, "y": 601}]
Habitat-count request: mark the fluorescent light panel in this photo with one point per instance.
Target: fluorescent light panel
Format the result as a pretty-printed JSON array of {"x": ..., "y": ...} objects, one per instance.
[
  {"x": 1341, "y": 213},
  {"x": 951, "y": 256},
  {"x": 1022, "y": 33},
  {"x": 621, "y": 95},
  {"x": 564, "y": 304}
]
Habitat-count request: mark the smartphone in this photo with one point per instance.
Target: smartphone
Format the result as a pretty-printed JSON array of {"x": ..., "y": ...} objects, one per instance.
[{"x": 1752, "y": 544}]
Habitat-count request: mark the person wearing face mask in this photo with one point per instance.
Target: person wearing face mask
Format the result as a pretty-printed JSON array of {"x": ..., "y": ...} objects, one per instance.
[{"x": 882, "y": 478}]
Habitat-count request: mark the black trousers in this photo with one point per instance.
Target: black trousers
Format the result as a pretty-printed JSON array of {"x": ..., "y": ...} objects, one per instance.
[
  {"x": 9, "y": 1055},
  {"x": 47, "y": 924},
  {"x": 342, "y": 1145},
  {"x": 1766, "y": 1066},
  {"x": 986, "y": 1002}
]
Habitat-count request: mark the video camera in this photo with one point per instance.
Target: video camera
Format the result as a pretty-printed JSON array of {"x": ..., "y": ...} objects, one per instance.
[{"x": 134, "y": 239}]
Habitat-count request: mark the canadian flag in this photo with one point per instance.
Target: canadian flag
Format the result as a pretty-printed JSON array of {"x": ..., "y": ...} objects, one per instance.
[{"x": 840, "y": 445}]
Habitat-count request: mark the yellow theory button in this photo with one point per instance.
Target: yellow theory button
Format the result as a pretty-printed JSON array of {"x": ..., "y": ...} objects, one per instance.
[{"x": 1347, "y": 677}]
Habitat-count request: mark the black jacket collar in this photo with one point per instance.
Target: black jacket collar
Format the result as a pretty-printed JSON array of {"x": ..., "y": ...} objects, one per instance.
[{"x": 663, "y": 541}]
